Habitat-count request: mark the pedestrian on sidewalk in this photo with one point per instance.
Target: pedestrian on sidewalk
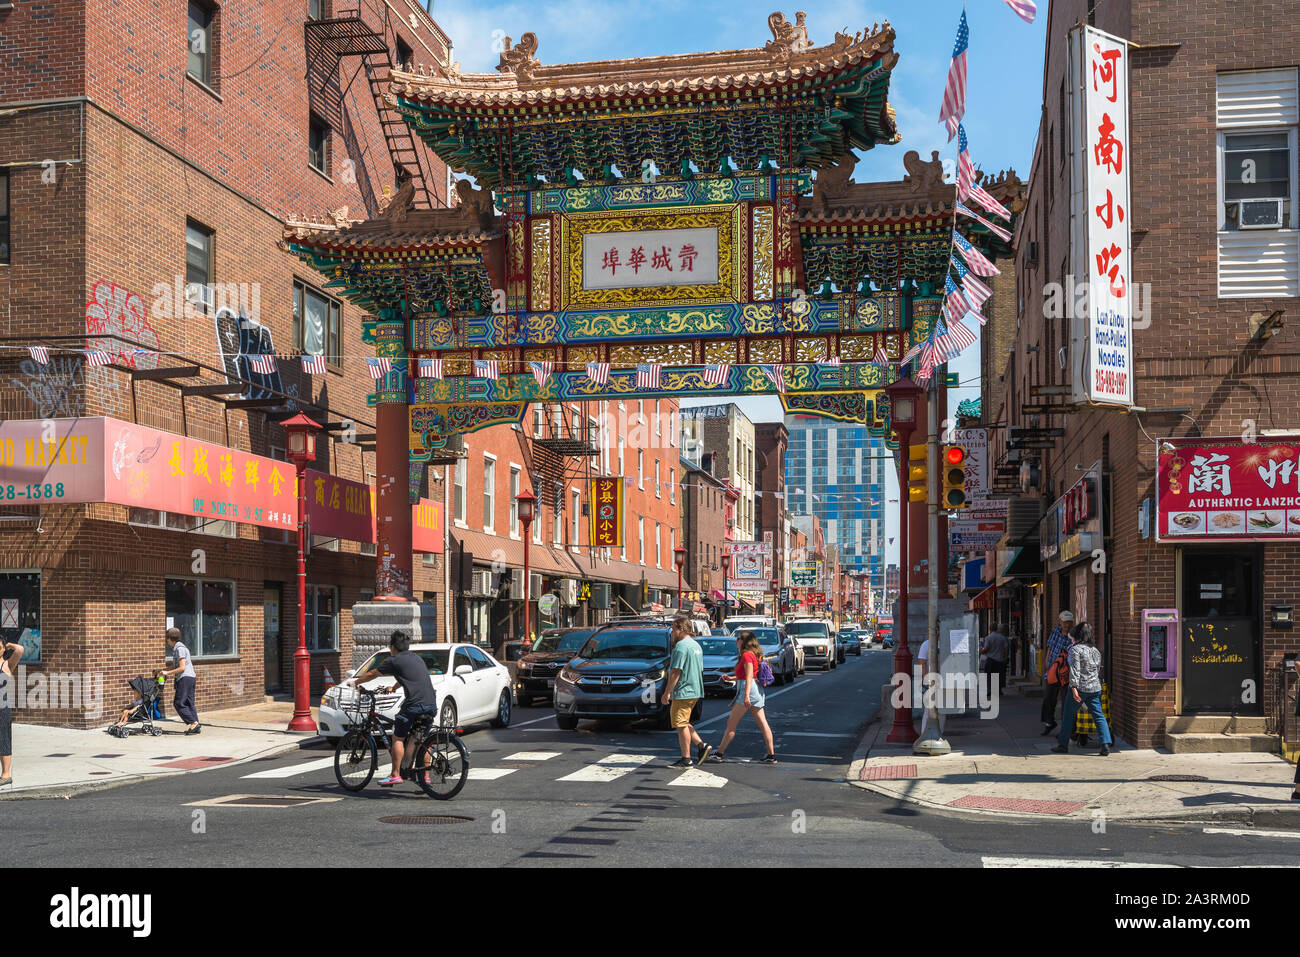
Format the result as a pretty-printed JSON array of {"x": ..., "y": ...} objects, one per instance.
[
  {"x": 10, "y": 654},
  {"x": 185, "y": 680},
  {"x": 749, "y": 697},
  {"x": 683, "y": 691},
  {"x": 1085, "y": 690},
  {"x": 1058, "y": 643},
  {"x": 995, "y": 648},
  {"x": 1295, "y": 793}
]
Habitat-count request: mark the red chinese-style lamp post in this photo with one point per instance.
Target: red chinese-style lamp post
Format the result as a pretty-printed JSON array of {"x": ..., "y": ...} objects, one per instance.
[
  {"x": 725, "y": 558},
  {"x": 904, "y": 399},
  {"x": 679, "y": 559},
  {"x": 526, "y": 503},
  {"x": 301, "y": 451}
]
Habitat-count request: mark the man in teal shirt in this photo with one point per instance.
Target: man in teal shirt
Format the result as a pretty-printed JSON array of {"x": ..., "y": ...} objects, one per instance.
[{"x": 684, "y": 689}]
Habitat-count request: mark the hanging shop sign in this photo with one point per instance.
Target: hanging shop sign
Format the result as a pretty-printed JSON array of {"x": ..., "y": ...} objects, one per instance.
[
  {"x": 975, "y": 442},
  {"x": 1228, "y": 490},
  {"x": 1071, "y": 528},
  {"x": 1101, "y": 217},
  {"x": 548, "y": 604},
  {"x": 751, "y": 564},
  {"x": 970, "y": 535},
  {"x": 344, "y": 509},
  {"x": 606, "y": 523},
  {"x": 805, "y": 574}
]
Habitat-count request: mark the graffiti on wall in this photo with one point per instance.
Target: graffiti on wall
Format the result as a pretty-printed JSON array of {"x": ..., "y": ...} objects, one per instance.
[
  {"x": 114, "y": 310},
  {"x": 56, "y": 389}
]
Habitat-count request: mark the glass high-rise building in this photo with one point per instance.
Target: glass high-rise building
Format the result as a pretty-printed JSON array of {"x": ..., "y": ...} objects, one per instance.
[{"x": 836, "y": 471}]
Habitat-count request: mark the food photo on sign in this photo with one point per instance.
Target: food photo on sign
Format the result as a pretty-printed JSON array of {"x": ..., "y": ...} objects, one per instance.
[{"x": 1226, "y": 489}]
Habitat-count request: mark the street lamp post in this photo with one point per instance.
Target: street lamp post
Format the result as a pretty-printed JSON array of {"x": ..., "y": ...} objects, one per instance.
[
  {"x": 526, "y": 504},
  {"x": 725, "y": 558},
  {"x": 904, "y": 396},
  {"x": 679, "y": 559},
  {"x": 301, "y": 451}
]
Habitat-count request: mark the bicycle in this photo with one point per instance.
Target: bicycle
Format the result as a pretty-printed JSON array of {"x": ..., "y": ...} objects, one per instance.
[{"x": 435, "y": 757}]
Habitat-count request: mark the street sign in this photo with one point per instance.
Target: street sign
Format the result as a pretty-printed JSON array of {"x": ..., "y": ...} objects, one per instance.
[{"x": 804, "y": 574}]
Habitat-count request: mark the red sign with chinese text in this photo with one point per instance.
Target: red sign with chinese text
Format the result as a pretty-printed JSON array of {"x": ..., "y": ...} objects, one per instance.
[
  {"x": 341, "y": 508},
  {"x": 605, "y": 515},
  {"x": 1228, "y": 490}
]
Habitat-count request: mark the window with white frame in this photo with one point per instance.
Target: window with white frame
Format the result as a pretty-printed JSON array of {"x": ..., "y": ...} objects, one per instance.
[
  {"x": 672, "y": 485},
  {"x": 458, "y": 492},
  {"x": 575, "y": 502},
  {"x": 489, "y": 493},
  {"x": 640, "y": 469},
  {"x": 640, "y": 538},
  {"x": 514, "y": 501},
  {"x": 557, "y": 519},
  {"x": 659, "y": 537},
  {"x": 1258, "y": 113},
  {"x": 537, "y": 521},
  {"x": 322, "y": 618},
  {"x": 659, "y": 488}
]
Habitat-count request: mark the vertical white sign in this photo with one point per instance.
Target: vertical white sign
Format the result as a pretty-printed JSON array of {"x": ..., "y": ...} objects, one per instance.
[
  {"x": 976, "y": 444},
  {"x": 1107, "y": 373}
]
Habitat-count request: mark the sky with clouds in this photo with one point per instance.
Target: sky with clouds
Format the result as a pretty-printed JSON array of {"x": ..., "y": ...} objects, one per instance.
[{"x": 1004, "y": 85}]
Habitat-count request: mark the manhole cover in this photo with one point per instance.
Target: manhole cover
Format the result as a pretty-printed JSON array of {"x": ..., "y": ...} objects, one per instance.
[
  {"x": 1178, "y": 777},
  {"x": 426, "y": 820}
]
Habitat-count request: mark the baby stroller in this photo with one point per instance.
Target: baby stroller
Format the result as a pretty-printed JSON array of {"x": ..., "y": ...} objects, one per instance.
[{"x": 149, "y": 691}]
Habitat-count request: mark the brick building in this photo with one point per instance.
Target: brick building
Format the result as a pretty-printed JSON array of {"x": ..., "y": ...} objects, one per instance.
[
  {"x": 146, "y": 189},
  {"x": 704, "y": 528},
  {"x": 1216, "y": 259},
  {"x": 771, "y": 440}
]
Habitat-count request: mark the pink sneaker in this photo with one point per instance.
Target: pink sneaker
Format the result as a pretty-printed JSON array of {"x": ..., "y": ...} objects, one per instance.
[{"x": 390, "y": 781}]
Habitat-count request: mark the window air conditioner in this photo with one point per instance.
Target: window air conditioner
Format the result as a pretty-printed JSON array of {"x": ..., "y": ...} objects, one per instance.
[
  {"x": 517, "y": 588},
  {"x": 201, "y": 295},
  {"x": 569, "y": 591},
  {"x": 536, "y": 588},
  {"x": 482, "y": 583},
  {"x": 1260, "y": 214}
]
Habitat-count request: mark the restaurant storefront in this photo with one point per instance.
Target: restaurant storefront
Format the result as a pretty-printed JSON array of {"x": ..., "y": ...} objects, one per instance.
[{"x": 1071, "y": 544}]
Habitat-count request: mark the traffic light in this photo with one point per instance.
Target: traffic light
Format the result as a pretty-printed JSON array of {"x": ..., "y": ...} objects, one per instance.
[
  {"x": 953, "y": 463},
  {"x": 918, "y": 474}
]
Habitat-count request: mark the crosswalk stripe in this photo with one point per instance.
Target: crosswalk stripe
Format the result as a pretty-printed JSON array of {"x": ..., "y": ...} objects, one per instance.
[
  {"x": 609, "y": 768},
  {"x": 1249, "y": 832},
  {"x": 532, "y": 756},
  {"x": 489, "y": 774},
  {"x": 292, "y": 769},
  {"x": 1062, "y": 862},
  {"x": 695, "y": 778}
]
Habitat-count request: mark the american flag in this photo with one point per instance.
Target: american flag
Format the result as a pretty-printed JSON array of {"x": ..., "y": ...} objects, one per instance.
[
  {"x": 598, "y": 372},
  {"x": 975, "y": 259},
  {"x": 647, "y": 375},
  {"x": 313, "y": 365},
  {"x": 977, "y": 316},
  {"x": 717, "y": 375},
  {"x": 488, "y": 369},
  {"x": 952, "y": 311},
  {"x": 939, "y": 338},
  {"x": 981, "y": 196},
  {"x": 976, "y": 292},
  {"x": 991, "y": 227},
  {"x": 880, "y": 358},
  {"x": 960, "y": 336},
  {"x": 139, "y": 354},
  {"x": 262, "y": 365},
  {"x": 542, "y": 371},
  {"x": 965, "y": 168},
  {"x": 40, "y": 353},
  {"x": 928, "y": 362},
  {"x": 955, "y": 296},
  {"x": 910, "y": 354},
  {"x": 954, "y": 93},
  {"x": 379, "y": 368},
  {"x": 96, "y": 358},
  {"x": 429, "y": 368},
  {"x": 1025, "y": 9},
  {"x": 832, "y": 361},
  {"x": 776, "y": 374}
]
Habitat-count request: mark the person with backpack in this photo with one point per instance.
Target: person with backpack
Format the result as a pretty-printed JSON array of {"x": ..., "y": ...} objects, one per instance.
[
  {"x": 684, "y": 689},
  {"x": 1085, "y": 690},
  {"x": 752, "y": 671},
  {"x": 1056, "y": 661}
]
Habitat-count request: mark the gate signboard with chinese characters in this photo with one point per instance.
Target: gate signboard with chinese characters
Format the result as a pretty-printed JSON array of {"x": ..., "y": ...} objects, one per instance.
[
  {"x": 606, "y": 519},
  {"x": 1224, "y": 490}
]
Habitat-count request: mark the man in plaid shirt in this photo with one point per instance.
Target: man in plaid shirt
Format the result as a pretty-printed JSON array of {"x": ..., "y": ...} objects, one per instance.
[{"x": 1058, "y": 641}]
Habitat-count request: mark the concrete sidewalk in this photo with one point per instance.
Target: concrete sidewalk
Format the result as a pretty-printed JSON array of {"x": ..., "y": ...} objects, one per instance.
[
  {"x": 1003, "y": 767},
  {"x": 61, "y": 762}
]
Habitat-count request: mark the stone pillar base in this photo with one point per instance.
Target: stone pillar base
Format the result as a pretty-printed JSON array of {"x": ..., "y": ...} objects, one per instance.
[{"x": 373, "y": 623}]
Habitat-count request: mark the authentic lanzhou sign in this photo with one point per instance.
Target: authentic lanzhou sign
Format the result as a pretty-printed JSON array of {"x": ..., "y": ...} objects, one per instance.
[{"x": 1228, "y": 490}]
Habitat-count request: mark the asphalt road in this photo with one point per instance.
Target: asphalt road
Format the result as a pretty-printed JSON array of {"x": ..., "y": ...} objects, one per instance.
[{"x": 600, "y": 795}]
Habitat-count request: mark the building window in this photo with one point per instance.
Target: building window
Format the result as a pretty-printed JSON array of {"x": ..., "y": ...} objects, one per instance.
[
  {"x": 672, "y": 486},
  {"x": 199, "y": 244},
  {"x": 640, "y": 469},
  {"x": 175, "y": 522},
  {"x": 537, "y": 421},
  {"x": 640, "y": 538},
  {"x": 20, "y": 612},
  {"x": 315, "y": 9},
  {"x": 489, "y": 493},
  {"x": 659, "y": 534},
  {"x": 199, "y": 43},
  {"x": 318, "y": 145},
  {"x": 4, "y": 217},
  {"x": 204, "y": 611},
  {"x": 621, "y": 472},
  {"x": 557, "y": 523},
  {"x": 317, "y": 323},
  {"x": 322, "y": 615},
  {"x": 576, "y": 503},
  {"x": 537, "y": 523},
  {"x": 458, "y": 492},
  {"x": 514, "y": 502},
  {"x": 404, "y": 54},
  {"x": 659, "y": 488}
]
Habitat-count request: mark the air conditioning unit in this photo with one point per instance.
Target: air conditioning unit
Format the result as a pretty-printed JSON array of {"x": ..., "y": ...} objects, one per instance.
[
  {"x": 201, "y": 295},
  {"x": 481, "y": 583},
  {"x": 536, "y": 588},
  {"x": 569, "y": 591},
  {"x": 1259, "y": 213},
  {"x": 599, "y": 596},
  {"x": 517, "y": 588}
]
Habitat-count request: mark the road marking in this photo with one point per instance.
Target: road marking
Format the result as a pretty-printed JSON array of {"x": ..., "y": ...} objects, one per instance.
[
  {"x": 1248, "y": 832},
  {"x": 815, "y": 734},
  {"x": 609, "y": 768},
  {"x": 292, "y": 769},
  {"x": 1062, "y": 862},
  {"x": 489, "y": 774},
  {"x": 695, "y": 778},
  {"x": 532, "y": 756},
  {"x": 524, "y": 724},
  {"x": 725, "y": 714}
]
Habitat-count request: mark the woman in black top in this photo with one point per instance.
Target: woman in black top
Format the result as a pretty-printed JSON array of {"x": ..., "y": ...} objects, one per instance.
[{"x": 10, "y": 654}]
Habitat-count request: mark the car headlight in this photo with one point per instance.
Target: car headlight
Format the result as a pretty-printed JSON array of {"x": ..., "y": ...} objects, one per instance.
[
  {"x": 525, "y": 669},
  {"x": 654, "y": 675},
  {"x": 568, "y": 674}
]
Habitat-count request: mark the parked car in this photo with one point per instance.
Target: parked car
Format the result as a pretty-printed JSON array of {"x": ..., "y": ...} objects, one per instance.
[
  {"x": 850, "y": 643},
  {"x": 866, "y": 637},
  {"x": 818, "y": 643},
  {"x": 784, "y": 655},
  {"x": 719, "y": 632},
  {"x": 618, "y": 675},
  {"x": 719, "y": 664},
  {"x": 734, "y": 625},
  {"x": 470, "y": 686},
  {"x": 535, "y": 676}
]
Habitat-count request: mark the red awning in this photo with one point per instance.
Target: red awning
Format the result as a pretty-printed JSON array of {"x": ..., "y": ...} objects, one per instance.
[{"x": 984, "y": 600}]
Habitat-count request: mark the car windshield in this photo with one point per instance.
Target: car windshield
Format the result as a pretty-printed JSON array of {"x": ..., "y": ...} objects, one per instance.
[
  {"x": 718, "y": 646},
  {"x": 563, "y": 641},
  {"x": 435, "y": 659},
  {"x": 767, "y": 636},
  {"x": 647, "y": 643},
  {"x": 806, "y": 628}
]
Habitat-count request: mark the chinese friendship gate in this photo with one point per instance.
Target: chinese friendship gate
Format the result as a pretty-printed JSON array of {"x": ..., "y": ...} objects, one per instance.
[{"x": 659, "y": 211}]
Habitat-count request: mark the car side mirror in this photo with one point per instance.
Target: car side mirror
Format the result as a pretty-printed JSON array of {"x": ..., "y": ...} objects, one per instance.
[
  {"x": 349, "y": 673},
  {"x": 462, "y": 670}
]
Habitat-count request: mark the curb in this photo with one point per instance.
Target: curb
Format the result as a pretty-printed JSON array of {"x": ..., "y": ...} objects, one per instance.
[{"x": 85, "y": 787}]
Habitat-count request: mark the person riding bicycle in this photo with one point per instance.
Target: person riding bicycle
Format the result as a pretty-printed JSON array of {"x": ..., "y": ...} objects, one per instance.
[{"x": 413, "y": 675}]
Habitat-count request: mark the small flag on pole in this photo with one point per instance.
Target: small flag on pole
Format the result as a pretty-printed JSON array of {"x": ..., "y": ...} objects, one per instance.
[
  {"x": 981, "y": 196},
  {"x": 977, "y": 316},
  {"x": 542, "y": 371},
  {"x": 976, "y": 292},
  {"x": 994, "y": 229},
  {"x": 598, "y": 372},
  {"x": 487, "y": 369},
  {"x": 313, "y": 365},
  {"x": 262, "y": 365},
  {"x": 910, "y": 354},
  {"x": 965, "y": 168},
  {"x": 960, "y": 336},
  {"x": 1025, "y": 9},
  {"x": 880, "y": 358},
  {"x": 96, "y": 358},
  {"x": 717, "y": 375},
  {"x": 975, "y": 259},
  {"x": 954, "y": 92},
  {"x": 776, "y": 374},
  {"x": 379, "y": 367},
  {"x": 40, "y": 353},
  {"x": 429, "y": 368},
  {"x": 647, "y": 375}
]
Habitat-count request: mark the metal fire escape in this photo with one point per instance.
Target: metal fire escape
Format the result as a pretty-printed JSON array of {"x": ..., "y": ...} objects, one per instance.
[
  {"x": 354, "y": 33},
  {"x": 560, "y": 453}
]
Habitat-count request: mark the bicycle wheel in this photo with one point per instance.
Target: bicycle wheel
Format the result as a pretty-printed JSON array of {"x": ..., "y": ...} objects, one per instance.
[
  {"x": 355, "y": 760},
  {"x": 441, "y": 765}
]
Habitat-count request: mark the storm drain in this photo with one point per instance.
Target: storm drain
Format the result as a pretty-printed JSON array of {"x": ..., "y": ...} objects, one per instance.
[
  {"x": 426, "y": 820},
  {"x": 1178, "y": 777}
]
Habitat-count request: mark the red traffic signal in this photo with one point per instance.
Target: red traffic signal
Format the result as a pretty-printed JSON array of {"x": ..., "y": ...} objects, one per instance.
[{"x": 954, "y": 455}]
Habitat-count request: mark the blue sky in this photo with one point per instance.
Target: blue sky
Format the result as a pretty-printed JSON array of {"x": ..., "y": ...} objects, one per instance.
[{"x": 1003, "y": 101}]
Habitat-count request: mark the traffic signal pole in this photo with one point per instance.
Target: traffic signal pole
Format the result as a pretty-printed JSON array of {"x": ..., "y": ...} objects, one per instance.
[{"x": 931, "y": 742}]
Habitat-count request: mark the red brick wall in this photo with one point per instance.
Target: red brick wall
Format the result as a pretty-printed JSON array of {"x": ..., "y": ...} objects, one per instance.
[{"x": 42, "y": 50}]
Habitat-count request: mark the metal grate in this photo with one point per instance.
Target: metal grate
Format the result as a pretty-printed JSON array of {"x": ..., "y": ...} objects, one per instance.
[{"x": 426, "y": 820}]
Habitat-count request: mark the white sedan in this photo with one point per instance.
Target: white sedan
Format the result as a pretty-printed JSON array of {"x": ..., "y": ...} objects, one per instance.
[{"x": 469, "y": 686}]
